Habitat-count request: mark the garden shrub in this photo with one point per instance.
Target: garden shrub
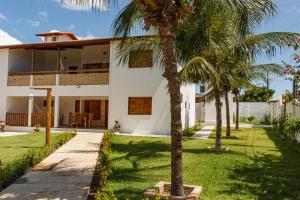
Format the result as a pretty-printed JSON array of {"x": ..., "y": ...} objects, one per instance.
[
  {"x": 250, "y": 118},
  {"x": 11, "y": 171},
  {"x": 64, "y": 138},
  {"x": 189, "y": 132},
  {"x": 290, "y": 127},
  {"x": 105, "y": 193}
]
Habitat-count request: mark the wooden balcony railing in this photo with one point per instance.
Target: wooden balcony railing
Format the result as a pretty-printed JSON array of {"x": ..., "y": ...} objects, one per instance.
[
  {"x": 45, "y": 79},
  {"x": 21, "y": 119},
  {"x": 18, "y": 80},
  {"x": 66, "y": 77},
  {"x": 40, "y": 119},
  {"x": 17, "y": 119}
]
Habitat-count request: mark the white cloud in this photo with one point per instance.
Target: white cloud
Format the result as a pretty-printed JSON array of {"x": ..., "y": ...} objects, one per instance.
[
  {"x": 3, "y": 17},
  {"x": 54, "y": 31},
  {"x": 71, "y": 26},
  {"x": 85, "y": 6},
  {"x": 6, "y": 39},
  {"x": 33, "y": 23},
  {"x": 88, "y": 36},
  {"x": 43, "y": 14}
]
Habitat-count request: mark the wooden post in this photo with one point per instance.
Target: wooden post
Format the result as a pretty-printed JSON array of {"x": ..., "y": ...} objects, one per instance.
[
  {"x": 58, "y": 60},
  {"x": 48, "y": 115},
  {"x": 48, "y": 124},
  {"x": 32, "y": 60}
]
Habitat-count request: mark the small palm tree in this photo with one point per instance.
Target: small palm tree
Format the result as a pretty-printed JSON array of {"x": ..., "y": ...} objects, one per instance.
[
  {"x": 221, "y": 43},
  {"x": 243, "y": 73}
]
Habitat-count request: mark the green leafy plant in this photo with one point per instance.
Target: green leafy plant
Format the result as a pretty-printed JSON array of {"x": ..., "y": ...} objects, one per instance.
[
  {"x": 64, "y": 138},
  {"x": 250, "y": 118},
  {"x": 189, "y": 132},
  {"x": 104, "y": 193},
  {"x": 290, "y": 127}
]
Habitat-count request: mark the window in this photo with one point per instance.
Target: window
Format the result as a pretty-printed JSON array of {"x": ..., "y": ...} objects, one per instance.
[
  {"x": 53, "y": 39},
  {"x": 141, "y": 59},
  {"x": 140, "y": 105}
]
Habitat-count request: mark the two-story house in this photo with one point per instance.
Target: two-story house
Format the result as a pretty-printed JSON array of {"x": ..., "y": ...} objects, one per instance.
[{"x": 91, "y": 88}]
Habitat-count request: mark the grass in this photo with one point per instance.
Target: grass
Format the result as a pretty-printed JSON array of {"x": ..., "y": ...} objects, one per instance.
[
  {"x": 13, "y": 148},
  {"x": 259, "y": 166}
]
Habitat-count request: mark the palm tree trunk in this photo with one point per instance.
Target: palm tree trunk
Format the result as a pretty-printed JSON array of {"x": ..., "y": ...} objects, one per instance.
[
  {"x": 218, "y": 104},
  {"x": 228, "y": 131},
  {"x": 237, "y": 114},
  {"x": 174, "y": 84}
]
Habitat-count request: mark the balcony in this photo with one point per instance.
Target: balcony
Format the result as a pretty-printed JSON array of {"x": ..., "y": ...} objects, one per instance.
[{"x": 59, "y": 77}]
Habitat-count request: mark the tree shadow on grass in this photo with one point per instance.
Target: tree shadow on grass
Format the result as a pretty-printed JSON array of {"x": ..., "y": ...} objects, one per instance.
[
  {"x": 270, "y": 176},
  {"x": 134, "y": 165}
]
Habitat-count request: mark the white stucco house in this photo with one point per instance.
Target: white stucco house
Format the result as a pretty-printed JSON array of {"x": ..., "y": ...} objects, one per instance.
[{"x": 90, "y": 87}]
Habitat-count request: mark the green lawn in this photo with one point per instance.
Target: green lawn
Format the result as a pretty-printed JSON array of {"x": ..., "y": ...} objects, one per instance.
[
  {"x": 13, "y": 148},
  {"x": 259, "y": 166}
]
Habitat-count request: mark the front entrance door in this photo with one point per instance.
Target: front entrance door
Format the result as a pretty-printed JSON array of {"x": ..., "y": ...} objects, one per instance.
[{"x": 93, "y": 106}]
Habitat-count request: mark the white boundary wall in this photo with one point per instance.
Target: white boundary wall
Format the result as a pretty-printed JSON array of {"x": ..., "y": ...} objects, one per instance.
[{"x": 257, "y": 109}]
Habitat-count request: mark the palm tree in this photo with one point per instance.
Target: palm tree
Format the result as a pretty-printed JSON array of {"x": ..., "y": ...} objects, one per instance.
[
  {"x": 220, "y": 42},
  {"x": 163, "y": 16}
]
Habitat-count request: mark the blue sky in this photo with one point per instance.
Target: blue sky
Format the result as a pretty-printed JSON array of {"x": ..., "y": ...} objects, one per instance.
[{"x": 23, "y": 18}]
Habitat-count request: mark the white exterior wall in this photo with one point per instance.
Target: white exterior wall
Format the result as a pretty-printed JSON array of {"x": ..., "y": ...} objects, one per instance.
[
  {"x": 200, "y": 112},
  {"x": 188, "y": 104},
  {"x": 143, "y": 82},
  {"x": 124, "y": 83}
]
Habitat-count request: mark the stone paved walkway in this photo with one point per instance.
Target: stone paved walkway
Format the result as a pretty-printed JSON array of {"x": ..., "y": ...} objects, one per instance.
[
  {"x": 64, "y": 175},
  {"x": 13, "y": 133},
  {"x": 204, "y": 133}
]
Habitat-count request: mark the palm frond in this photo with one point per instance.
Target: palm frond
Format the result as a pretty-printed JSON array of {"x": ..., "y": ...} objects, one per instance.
[
  {"x": 266, "y": 44},
  {"x": 139, "y": 45},
  {"x": 127, "y": 19},
  {"x": 199, "y": 69},
  {"x": 271, "y": 68}
]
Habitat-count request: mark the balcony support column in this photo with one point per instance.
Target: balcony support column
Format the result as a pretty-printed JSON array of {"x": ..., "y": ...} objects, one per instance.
[
  {"x": 33, "y": 60},
  {"x": 30, "y": 109},
  {"x": 58, "y": 67},
  {"x": 56, "y": 111}
]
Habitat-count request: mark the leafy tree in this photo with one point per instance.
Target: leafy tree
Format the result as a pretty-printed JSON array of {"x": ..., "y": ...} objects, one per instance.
[{"x": 256, "y": 94}]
